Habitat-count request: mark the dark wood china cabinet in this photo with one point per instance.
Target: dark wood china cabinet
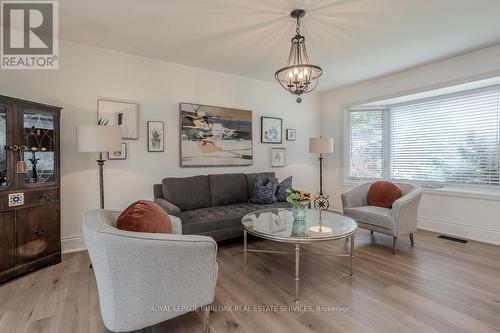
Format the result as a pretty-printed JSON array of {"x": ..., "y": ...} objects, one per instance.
[{"x": 30, "y": 228}]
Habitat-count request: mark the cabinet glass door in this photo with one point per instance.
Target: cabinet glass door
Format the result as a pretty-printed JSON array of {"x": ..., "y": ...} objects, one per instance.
[
  {"x": 40, "y": 145},
  {"x": 3, "y": 144}
]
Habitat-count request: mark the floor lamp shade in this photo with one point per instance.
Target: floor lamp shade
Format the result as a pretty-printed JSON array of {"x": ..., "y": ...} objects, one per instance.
[
  {"x": 321, "y": 145},
  {"x": 98, "y": 138}
]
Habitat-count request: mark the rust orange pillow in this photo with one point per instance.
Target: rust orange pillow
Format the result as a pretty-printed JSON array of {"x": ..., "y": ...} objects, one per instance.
[
  {"x": 383, "y": 194},
  {"x": 144, "y": 216}
]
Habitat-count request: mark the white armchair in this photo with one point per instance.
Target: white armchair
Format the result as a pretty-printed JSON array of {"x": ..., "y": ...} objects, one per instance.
[
  {"x": 147, "y": 278},
  {"x": 399, "y": 221}
]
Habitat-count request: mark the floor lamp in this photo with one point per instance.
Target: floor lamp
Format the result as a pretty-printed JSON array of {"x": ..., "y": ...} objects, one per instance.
[
  {"x": 321, "y": 146},
  {"x": 99, "y": 139}
]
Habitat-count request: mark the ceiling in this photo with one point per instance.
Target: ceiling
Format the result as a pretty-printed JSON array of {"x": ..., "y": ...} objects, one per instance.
[{"x": 352, "y": 40}]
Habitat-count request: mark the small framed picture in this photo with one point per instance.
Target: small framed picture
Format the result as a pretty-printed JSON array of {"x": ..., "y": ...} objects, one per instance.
[
  {"x": 119, "y": 113},
  {"x": 156, "y": 136},
  {"x": 278, "y": 157},
  {"x": 271, "y": 130},
  {"x": 118, "y": 155},
  {"x": 291, "y": 134}
]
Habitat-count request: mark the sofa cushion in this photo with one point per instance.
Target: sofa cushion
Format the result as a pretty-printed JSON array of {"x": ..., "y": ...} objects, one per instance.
[
  {"x": 144, "y": 216},
  {"x": 264, "y": 194},
  {"x": 187, "y": 193},
  {"x": 383, "y": 194},
  {"x": 282, "y": 187},
  {"x": 374, "y": 215},
  {"x": 265, "y": 176},
  {"x": 227, "y": 189},
  {"x": 209, "y": 219}
]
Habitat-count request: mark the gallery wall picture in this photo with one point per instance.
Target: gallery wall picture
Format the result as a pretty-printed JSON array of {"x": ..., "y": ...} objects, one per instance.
[
  {"x": 278, "y": 157},
  {"x": 291, "y": 134},
  {"x": 123, "y": 114},
  {"x": 271, "y": 130},
  {"x": 118, "y": 155},
  {"x": 215, "y": 136},
  {"x": 156, "y": 137}
]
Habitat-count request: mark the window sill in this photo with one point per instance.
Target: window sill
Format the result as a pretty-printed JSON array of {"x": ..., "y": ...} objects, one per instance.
[{"x": 451, "y": 191}]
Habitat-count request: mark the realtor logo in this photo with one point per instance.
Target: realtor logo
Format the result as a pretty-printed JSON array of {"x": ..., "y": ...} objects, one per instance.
[{"x": 29, "y": 35}]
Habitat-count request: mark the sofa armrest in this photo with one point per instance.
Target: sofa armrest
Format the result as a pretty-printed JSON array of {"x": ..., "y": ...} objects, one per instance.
[
  {"x": 355, "y": 197},
  {"x": 169, "y": 207},
  {"x": 405, "y": 212}
]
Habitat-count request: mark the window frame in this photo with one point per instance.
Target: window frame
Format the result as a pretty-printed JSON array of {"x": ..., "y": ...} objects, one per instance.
[{"x": 386, "y": 158}]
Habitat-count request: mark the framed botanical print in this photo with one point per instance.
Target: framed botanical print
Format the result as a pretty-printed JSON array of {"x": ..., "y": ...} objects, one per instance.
[
  {"x": 278, "y": 157},
  {"x": 291, "y": 134},
  {"x": 156, "y": 137},
  {"x": 118, "y": 155},
  {"x": 271, "y": 130},
  {"x": 117, "y": 113}
]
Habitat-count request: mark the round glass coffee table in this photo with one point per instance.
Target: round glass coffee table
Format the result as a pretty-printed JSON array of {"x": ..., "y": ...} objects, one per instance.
[{"x": 278, "y": 224}]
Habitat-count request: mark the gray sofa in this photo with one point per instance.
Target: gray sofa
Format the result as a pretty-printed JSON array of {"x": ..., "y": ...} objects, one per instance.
[{"x": 211, "y": 205}]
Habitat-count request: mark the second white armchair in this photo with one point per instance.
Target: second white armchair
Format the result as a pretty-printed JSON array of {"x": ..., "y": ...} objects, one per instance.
[{"x": 398, "y": 221}]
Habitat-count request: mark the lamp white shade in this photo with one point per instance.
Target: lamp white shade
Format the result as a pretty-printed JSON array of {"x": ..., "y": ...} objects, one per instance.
[
  {"x": 321, "y": 145},
  {"x": 98, "y": 138}
]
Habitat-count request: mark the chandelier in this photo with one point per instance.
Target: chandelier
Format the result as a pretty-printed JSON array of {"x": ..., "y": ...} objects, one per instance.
[{"x": 298, "y": 76}]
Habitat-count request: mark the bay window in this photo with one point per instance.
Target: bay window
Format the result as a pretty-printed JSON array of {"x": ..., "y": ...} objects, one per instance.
[{"x": 452, "y": 138}]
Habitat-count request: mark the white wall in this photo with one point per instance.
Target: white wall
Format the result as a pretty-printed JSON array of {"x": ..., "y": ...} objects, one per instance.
[
  {"x": 87, "y": 73},
  {"x": 470, "y": 216}
]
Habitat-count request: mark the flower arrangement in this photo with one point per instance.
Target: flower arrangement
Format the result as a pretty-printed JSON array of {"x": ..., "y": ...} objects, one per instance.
[
  {"x": 297, "y": 198},
  {"x": 300, "y": 201}
]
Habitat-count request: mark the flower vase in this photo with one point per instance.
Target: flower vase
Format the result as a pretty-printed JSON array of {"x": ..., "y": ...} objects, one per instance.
[
  {"x": 299, "y": 229},
  {"x": 299, "y": 210}
]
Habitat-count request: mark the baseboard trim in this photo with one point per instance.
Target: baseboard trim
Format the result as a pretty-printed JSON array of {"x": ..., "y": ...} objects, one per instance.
[
  {"x": 479, "y": 234},
  {"x": 77, "y": 243},
  {"x": 73, "y": 244}
]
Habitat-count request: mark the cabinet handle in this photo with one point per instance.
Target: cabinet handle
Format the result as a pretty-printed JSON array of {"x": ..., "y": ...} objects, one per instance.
[
  {"x": 46, "y": 196},
  {"x": 40, "y": 231}
]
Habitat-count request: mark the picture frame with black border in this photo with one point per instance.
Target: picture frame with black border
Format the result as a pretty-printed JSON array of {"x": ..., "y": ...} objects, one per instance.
[
  {"x": 118, "y": 155},
  {"x": 278, "y": 157},
  {"x": 291, "y": 134},
  {"x": 271, "y": 130},
  {"x": 156, "y": 136}
]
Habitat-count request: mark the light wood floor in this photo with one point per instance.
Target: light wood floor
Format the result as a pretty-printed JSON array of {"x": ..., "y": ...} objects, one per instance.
[{"x": 436, "y": 286}]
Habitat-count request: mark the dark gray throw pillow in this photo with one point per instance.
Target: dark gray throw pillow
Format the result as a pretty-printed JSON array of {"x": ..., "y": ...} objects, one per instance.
[
  {"x": 263, "y": 194},
  {"x": 282, "y": 187}
]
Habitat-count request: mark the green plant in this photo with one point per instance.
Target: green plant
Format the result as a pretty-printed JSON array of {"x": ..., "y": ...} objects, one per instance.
[
  {"x": 102, "y": 122},
  {"x": 156, "y": 133},
  {"x": 296, "y": 197}
]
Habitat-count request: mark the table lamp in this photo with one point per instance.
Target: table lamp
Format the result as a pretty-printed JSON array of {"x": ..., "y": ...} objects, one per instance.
[
  {"x": 99, "y": 139},
  {"x": 321, "y": 146}
]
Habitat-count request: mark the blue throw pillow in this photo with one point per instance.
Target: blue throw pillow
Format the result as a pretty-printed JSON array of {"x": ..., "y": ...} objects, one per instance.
[
  {"x": 263, "y": 194},
  {"x": 282, "y": 187}
]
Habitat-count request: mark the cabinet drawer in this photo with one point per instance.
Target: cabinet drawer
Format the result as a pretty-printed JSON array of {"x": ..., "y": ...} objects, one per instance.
[
  {"x": 38, "y": 232},
  {"x": 32, "y": 198}
]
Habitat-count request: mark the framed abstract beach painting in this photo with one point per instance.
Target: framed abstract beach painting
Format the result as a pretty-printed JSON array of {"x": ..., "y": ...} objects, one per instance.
[{"x": 215, "y": 136}]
